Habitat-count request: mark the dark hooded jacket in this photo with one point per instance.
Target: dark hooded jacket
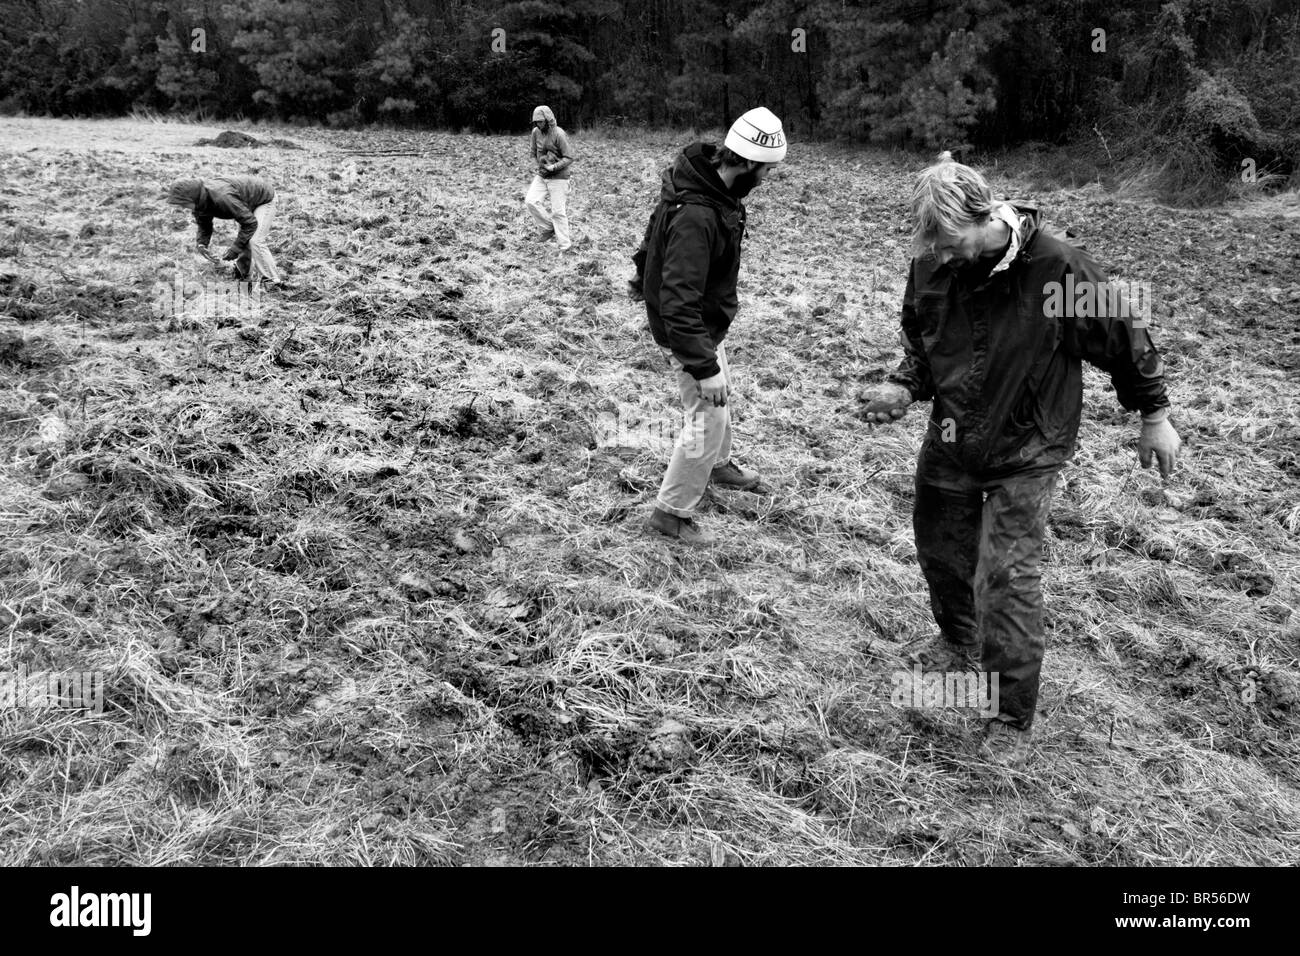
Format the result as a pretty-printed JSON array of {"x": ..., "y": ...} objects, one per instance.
[
  {"x": 1005, "y": 375},
  {"x": 692, "y": 258},
  {"x": 231, "y": 197}
]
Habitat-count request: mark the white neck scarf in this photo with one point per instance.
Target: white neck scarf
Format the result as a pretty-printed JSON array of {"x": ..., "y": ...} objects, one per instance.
[{"x": 1008, "y": 215}]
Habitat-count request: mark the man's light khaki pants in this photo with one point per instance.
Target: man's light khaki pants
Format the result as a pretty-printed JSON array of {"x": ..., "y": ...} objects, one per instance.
[
  {"x": 704, "y": 442},
  {"x": 258, "y": 253}
]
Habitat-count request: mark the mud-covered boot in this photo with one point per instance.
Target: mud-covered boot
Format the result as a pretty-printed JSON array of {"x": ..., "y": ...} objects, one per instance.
[
  {"x": 731, "y": 475},
  {"x": 683, "y": 529},
  {"x": 941, "y": 654},
  {"x": 1005, "y": 745}
]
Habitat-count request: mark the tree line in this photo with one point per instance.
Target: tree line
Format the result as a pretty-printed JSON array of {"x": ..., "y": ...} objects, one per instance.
[{"x": 1218, "y": 77}]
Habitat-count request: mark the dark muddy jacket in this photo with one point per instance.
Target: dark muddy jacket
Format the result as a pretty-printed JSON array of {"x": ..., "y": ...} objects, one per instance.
[
  {"x": 231, "y": 197},
  {"x": 1005, "y": 377},
  {"x": 692, "y": 258}
]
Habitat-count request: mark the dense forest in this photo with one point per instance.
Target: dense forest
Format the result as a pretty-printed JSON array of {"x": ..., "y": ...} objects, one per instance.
[{"x": 1203, "y": 83}]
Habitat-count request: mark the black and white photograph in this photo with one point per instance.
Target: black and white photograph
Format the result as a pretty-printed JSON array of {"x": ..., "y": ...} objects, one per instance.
[{"x": 646, "y": 434}]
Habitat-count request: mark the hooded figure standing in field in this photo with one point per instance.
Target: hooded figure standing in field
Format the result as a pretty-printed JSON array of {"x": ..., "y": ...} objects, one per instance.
[
  {"x": 250, "y": 201},
  {"x": 987, "y": 337},
  {"x": 553, "y": 155},
  {"x": 689, "y": 263}
]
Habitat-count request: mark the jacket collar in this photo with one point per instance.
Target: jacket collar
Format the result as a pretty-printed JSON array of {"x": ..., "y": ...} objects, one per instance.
[
  {"x": 1004, "y": 212},
  {"x": 1030, "y": 220},
  {"x": 1024, "y": 222}
]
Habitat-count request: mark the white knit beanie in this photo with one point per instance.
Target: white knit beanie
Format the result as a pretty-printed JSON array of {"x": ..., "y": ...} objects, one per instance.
[{"x": 757, "y": 136}]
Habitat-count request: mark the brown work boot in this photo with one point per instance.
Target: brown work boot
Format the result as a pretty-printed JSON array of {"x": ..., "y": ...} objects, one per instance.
[
  {"x": 942, "y": 654},
  {"x": 731, "y": 475},
  {"x": 683, "y": 529},
  {"x": 1004, "y": 745}
]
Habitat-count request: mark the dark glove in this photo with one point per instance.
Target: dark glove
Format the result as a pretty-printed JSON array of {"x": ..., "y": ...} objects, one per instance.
[{"x": 231, "y": 253}]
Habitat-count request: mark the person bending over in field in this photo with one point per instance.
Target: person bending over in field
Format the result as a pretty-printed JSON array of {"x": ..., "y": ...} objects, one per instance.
[
  {"x": 1003, "y": 369},
  {"x": 250, "y": 201},
  {"x": 690, "y": 259},
  {"x": 553, "y": 155}
]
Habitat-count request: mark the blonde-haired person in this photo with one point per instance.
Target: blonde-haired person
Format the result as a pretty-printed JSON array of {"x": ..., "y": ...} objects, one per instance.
[{"x": 1003, "y": 369}]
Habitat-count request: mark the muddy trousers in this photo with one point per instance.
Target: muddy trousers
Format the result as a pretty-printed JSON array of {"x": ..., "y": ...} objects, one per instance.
[{"x": 981, "y": 553}]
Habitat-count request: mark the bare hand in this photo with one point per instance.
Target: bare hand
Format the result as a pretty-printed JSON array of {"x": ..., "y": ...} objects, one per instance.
[
  {"x": 885, "y": 403},
  {"x": 1159, "y": 440},
  {"x": 714, "y": 389}
]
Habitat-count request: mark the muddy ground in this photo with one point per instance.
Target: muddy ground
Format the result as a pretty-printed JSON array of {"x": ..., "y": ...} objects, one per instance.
[{"x": 368, "y": 583}]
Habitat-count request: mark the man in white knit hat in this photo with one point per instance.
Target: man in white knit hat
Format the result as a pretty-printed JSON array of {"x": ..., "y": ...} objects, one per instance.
[{"x": 687, "y": 268}]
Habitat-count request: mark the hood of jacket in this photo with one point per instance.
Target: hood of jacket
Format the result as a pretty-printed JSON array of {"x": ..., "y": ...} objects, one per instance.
[
  {"x": 693, "y": 179},
  {"x": 185, "y": 191},
  {"x": 544, "y": 113}
]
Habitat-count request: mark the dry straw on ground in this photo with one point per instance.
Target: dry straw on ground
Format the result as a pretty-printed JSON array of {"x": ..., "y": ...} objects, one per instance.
[{"x": 365, "y": 590}]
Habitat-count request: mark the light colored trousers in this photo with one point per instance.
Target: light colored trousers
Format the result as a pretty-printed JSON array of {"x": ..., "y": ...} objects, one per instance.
[
  {"x": 559, "y": 216},
  {"x": 704, "y": 442},
  {"x": 258, "y": 253}
]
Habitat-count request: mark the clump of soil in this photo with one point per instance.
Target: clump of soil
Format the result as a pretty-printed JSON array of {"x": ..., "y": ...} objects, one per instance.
[
  {"x": 232, "y": 139},
  {"x": 28, "y": 351}
]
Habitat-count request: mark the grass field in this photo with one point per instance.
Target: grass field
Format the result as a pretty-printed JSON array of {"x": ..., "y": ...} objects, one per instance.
[{"x": 367, "y": 587}]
